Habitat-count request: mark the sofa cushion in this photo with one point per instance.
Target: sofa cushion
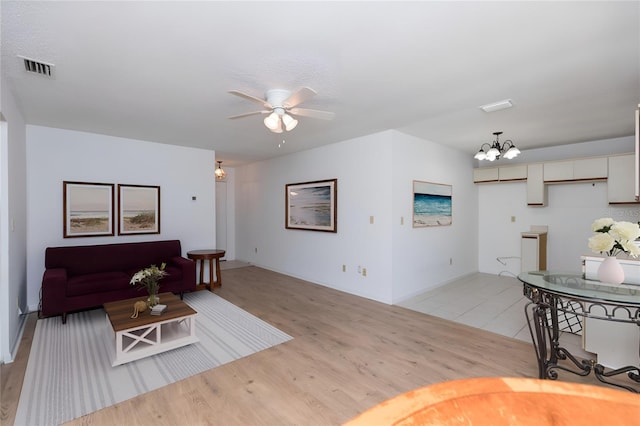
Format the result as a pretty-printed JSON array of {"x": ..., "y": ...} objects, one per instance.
[{"x": 97, "y": 283}]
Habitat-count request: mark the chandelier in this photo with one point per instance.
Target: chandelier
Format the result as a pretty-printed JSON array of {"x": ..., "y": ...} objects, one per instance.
[
  {"x": 508, "y": 150},
  {"x": 219, "y": 172}
]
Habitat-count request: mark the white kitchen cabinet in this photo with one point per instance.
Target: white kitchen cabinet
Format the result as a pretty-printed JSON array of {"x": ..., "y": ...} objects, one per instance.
[
  {"x": 486, "y": 174},
  {"x": 575, "y": 170},
  {"x": 510, "y": 173},
  {"x": 621, "y": 184},
  {"x": 590, "y": 168},
  {"x": 558, "y": 171},
  {"x": 536, "y": 189}
]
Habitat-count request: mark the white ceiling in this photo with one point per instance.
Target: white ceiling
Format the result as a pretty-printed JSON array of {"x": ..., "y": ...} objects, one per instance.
[{"x": 160, "y": 71}]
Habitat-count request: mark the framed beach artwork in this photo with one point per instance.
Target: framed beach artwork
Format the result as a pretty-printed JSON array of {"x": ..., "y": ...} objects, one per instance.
[
  {"x": 431, "y": 204},
  {"x": 312, "y": 205},
  {"x": 88, "y": 209},
  {"x": 138, "y": 209}
]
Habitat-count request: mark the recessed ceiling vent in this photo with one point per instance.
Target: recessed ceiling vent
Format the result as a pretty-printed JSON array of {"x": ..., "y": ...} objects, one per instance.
[{"x": 38, "y": 67}]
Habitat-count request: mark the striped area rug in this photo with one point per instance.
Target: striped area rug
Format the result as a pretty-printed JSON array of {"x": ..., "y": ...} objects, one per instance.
[{"x": 69, "y": 373}]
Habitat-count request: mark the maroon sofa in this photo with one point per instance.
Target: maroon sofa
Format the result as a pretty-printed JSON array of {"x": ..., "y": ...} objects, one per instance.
[{"x": 84, "y": 277}]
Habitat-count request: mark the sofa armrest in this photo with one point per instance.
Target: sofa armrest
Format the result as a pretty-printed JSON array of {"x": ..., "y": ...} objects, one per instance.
[
  {"x": 188, "y": 272},
  {"x": 54, "y": 289}
]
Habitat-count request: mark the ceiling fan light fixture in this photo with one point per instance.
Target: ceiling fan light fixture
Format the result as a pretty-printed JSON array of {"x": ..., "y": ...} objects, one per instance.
[
  {"x": 272, "y": 122},
  {"x": 278, "y": 128},
  {"x": 279, "y": 104},
  {"x": 289, "y": 122}
]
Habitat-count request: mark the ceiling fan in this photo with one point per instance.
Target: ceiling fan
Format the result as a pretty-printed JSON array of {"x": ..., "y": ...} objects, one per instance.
[{"x": 282, "y": 106}]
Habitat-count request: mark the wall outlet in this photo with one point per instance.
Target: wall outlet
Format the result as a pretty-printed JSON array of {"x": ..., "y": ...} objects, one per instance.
[
  {"x": 359, "y": 269},
  {"x": 364, "y": 272},
  {"x": 344, "y": 268},
  {"x": 371, "y": 220}
]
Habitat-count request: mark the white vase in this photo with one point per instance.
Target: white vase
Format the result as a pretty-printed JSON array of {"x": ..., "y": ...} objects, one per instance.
[{"x": 611, "y": 271}]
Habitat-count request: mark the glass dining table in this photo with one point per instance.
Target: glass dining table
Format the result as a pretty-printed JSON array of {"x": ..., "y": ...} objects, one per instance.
[{"x": 554, "y": 296}]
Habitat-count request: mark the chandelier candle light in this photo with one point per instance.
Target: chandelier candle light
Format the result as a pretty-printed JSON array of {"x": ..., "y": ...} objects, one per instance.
[
  {"x": 612, "y": 238},
  {"x": 508, "y": 150}
]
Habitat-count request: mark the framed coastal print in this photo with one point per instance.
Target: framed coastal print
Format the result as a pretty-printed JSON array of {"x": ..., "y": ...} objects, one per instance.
[
  {"x": 88, "y": 209},
  {"x": 431, "y": 204},
  {"x": 138, "y": 209},
  {"x": 312, "y": 206}
]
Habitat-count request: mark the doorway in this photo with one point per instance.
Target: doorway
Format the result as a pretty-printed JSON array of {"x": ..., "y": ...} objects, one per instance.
[{"x": 221, "y": 215}]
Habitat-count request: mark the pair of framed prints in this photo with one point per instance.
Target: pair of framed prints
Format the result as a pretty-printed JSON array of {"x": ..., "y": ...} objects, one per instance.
[{"x": 89, "y": 209}]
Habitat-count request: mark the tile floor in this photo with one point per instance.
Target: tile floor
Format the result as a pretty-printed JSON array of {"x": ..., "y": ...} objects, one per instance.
[{"x": 490, "y": 302}]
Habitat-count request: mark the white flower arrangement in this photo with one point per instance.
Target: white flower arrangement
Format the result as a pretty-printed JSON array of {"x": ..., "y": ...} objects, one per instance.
[
  {"x": 613, "y": 238},
  {"x": 149, "y": 277}
]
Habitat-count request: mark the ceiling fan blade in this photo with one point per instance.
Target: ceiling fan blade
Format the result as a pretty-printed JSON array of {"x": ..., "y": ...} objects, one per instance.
[
  {"x": 247, "y": 114},
  {"x": 313, "y": 113},
  {"x": 300, "y": 96},
  {"x": 251, "y": 98}
]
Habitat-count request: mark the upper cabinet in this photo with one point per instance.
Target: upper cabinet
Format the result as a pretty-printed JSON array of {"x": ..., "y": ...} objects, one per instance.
[
  {"x": 500, "y": 174},
  {"x": 621, "y": 185},
  {"x": 590, "y": 168},
  {"x": 536, "y": 189},
  {"x": 595, "y": 168},
  {"x": 618, "y": 170},
  {"x": 558, "y": 171},
  {"x": 515, "y": 172},
  {"x": 485, "y": 174}
]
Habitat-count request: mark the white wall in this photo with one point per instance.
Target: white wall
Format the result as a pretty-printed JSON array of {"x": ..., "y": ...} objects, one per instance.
[
  {"x": 375, "y": 175},
  {"x": 571, "y": 209},
  {"x": 56, "y": 155},
  {"x": 13, "y": 227},
  {"x": 424, "y": 258},
  {"x": 319, "y": 256}
]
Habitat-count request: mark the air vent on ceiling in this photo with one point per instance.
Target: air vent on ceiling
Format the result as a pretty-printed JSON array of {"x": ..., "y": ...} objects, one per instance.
[{"x": 38, "y": 67}]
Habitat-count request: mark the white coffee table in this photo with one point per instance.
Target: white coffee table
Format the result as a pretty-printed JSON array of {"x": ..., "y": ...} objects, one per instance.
[{"x": 136, "y": 338}]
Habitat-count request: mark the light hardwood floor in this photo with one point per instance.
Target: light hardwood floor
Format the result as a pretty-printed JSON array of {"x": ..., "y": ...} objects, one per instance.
[{"x": 348, "y": 354}]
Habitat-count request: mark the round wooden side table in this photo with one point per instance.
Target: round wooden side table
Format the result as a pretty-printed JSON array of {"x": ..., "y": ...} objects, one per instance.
[{"x": 200, "y": 256}]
